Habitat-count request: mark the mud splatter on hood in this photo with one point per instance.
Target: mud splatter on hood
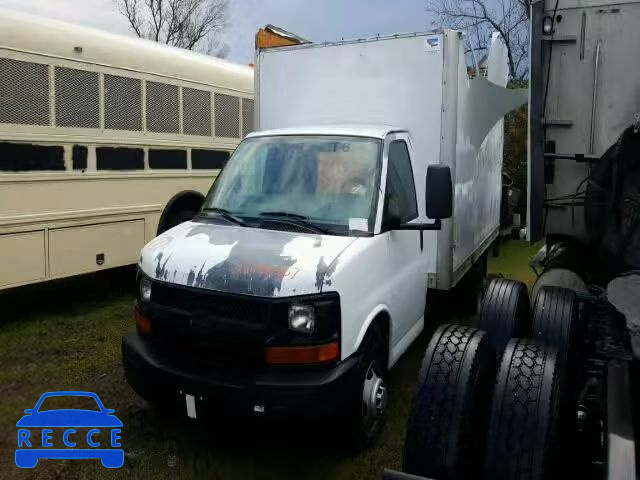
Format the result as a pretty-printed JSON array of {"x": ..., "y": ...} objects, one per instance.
[{"x": 243, "y": 260}]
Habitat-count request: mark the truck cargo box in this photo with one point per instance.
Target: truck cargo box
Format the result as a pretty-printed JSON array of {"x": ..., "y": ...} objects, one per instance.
[{"x": 418, "y": 82}]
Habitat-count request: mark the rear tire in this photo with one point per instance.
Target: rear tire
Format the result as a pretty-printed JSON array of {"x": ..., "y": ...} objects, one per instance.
[
  {"x": 555, "y": 321},
  {"x": 522, "y": 424},
  {"x": 504, "y": 313},
  {"x": 449, "y": 402}
]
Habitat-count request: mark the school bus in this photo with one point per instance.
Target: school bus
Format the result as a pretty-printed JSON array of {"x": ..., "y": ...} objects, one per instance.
[{"x": 105, "y": 141}]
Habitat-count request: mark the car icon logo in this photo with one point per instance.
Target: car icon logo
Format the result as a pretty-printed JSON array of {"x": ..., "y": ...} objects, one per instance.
[{"x": 32, "y": 447}]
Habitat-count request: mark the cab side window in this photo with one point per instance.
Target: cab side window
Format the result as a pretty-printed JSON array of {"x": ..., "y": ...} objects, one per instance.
[{"x": 400, "y": 199}]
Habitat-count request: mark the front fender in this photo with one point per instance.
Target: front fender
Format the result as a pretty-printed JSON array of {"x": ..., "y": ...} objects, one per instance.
[{"x": 377, "y": 310}]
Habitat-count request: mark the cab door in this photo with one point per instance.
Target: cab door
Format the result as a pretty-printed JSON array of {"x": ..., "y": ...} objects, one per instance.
[{"x": 405, "y": 276}]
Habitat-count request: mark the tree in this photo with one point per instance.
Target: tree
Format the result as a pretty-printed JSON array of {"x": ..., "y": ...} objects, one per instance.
[
  {"x": 191, "y": 24},
  {"x": 479, "y": 18},
  {"x": 515, "y": 142}
]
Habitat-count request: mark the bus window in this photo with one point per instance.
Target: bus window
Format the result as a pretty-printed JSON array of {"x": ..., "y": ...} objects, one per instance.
[
  {"x": 208, "y": 159},
  {"x": 77, "y": 98},
  {"x": 227, "y": 114},
  {"x": 122, "y": 103},
  {"x": 168, "y": 159},
  {"x": 119, "y": 158},
  {"x": 79, "y": 155},
  {"x": 25, "y": 157},
  {"x": 24, "y": 90},
  {"x": 196, "y": 112},
  {"x": 163, "y": 108}
]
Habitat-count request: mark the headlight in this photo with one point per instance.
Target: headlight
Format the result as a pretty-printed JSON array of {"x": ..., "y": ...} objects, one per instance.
[
  {"x": 302, "y": 318},
  {"x": 145, "y": 289},
  {"x": 547, "y": 25}
]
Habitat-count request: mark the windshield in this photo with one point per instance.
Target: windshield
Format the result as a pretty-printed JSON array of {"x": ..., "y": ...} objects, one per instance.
[
  {"x": 61, "y": 402},
  {"x": 329, "y": 182}
]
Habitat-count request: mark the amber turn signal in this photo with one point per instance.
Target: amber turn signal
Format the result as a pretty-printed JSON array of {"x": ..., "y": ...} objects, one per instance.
[
  {"x": 302, "y": 355},
  {"x": 142, "y": 323}
]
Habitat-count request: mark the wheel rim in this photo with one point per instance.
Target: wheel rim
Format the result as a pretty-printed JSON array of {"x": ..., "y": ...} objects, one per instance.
[{"x": 374, "y": 398}]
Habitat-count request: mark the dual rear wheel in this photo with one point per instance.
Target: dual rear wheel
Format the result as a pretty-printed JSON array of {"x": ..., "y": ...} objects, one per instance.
[{"x": 488, "y": 401}]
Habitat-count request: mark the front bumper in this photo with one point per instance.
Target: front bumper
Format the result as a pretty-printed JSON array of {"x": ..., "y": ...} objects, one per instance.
[{"x": 293, "y": 391}]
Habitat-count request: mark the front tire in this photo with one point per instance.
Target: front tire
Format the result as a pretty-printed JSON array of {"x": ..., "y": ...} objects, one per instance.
[{"x": 368, "y": 404}]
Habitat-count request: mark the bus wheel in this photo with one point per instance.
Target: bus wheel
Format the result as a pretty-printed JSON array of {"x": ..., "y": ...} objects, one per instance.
[
  {"x": 524, "y": 412},
  {"x": 504, "y": 313},
  {"x": 181, "y": 208},
  {"x": 450, "y": 404}
]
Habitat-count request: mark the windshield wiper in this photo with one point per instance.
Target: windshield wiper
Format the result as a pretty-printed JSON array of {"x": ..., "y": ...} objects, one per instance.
[
  {"x": 295, "y": 219},
  {"x": 226, "y": 214}
]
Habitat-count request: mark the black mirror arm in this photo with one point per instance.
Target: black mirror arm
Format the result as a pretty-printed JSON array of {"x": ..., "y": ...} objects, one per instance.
[{"x": 436, "y": 225}]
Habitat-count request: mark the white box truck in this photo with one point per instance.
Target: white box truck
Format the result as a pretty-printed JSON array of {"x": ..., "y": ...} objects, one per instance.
[{"x": 374, "y": 177}]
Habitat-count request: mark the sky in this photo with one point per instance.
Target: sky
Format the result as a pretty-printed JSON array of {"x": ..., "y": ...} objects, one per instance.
[{"x": 315, "y": 20}]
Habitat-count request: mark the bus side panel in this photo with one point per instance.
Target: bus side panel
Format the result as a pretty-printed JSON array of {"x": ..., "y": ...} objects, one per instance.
[
  {"x": 84, "y": 249},
  {"x": 22, "y": 258}
]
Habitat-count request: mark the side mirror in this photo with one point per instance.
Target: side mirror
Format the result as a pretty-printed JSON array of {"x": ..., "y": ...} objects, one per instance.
[{"x": 439, "y": 192}]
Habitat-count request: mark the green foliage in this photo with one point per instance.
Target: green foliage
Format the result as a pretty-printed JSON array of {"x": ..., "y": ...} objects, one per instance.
[{"x": 515, "y": 141}]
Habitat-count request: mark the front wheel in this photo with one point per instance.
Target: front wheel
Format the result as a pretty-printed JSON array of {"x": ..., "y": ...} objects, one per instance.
[{"x": 368, "y": 403}]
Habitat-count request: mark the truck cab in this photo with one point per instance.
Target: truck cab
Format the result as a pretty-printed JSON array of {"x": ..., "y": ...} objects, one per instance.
[{"x": 307, "y": 266}]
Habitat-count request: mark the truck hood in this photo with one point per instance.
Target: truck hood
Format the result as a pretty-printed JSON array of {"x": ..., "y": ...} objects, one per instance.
[{"x": 243, "y": 260}]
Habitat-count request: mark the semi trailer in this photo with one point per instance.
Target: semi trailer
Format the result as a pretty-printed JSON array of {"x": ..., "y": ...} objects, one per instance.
[
  {"x": 545, "y": 385},
  {"x": 373, "y": 180}
]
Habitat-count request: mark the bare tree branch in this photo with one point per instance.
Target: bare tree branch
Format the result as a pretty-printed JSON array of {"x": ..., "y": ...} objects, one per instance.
[
  {"x": 479, "y": 18},
  {"x": 129, "y": 8},
  {"x": 190, "y": 24}
]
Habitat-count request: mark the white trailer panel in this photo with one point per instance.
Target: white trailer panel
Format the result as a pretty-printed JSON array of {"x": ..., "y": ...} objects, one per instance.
[{"x": 417, "y": 82}]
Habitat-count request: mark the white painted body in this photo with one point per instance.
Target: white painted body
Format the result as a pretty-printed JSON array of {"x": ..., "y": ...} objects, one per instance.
[{"x": 418, "y": 83}]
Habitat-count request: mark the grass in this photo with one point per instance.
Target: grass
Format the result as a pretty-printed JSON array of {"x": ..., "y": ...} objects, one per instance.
[
  {"x": 513, "y": 262},
  {"x": 65, "y": 335}
]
